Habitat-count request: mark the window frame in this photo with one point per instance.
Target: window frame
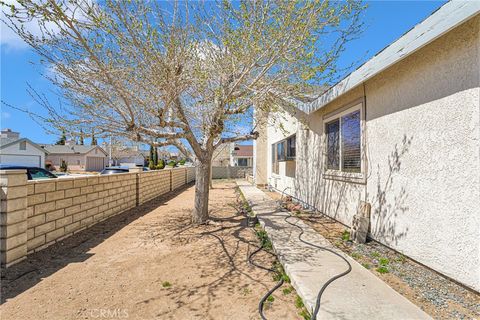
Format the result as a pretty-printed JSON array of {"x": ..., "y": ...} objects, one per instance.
[
  {"x": 22, "y": 146},
  {"x": 288, "y": 147},
  {"x": 338, "y": 174}
]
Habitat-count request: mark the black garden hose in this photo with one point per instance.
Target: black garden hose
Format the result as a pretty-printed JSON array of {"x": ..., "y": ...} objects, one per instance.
[
  {"x": 320, "y": 293},
  {"x": 278, "y": 285},
  {"x": 326, "y": 284}
]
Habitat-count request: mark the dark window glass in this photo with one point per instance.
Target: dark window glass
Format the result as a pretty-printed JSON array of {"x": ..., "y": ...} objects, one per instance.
[
  {"x": 280, "y": 151},
  {"x": 333, "y": 145},
  {"x": 242, "y": 162},
  {"x": 351, "y": 141},
  {"x": 291, "y": 152}
]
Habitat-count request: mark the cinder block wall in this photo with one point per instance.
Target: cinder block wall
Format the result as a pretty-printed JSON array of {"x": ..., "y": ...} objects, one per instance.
[
  {"x": 231, "y": 172},
  {"x": 36, "y": 214},
  {"x": 57, "y": 209},
  {"x": 153, "y": 184}
]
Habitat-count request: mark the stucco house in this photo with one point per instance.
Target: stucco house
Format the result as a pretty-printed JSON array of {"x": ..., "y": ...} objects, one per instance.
[
  {"x": 77, "y": 157},
  {"x": 402, "y": 134},
  {"x": 233, "y": 155},
  {"x": 20, "y": 151},
  {"x": 242, "y": 155}
]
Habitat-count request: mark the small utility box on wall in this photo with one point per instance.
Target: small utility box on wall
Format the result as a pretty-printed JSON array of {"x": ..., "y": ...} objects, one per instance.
[{"x": 361, "y": 223}]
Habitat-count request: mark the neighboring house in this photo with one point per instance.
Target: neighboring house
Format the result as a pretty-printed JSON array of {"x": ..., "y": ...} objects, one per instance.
[
  {"x": 242, "y": 155},
  {"x": 222, "y": 156},
  {"x": 77, "y": 157},
  {"x": 402, "y": 134},
  {"x": 234, "y": 155},
  {"x": 20, "y": 151},
  {"x": 131, "y": 157}
]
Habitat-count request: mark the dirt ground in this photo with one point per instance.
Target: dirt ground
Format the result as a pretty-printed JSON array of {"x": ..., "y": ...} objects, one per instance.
[
  {"x": 436, "y": 295},
  {"x": 149, "y": 263}
]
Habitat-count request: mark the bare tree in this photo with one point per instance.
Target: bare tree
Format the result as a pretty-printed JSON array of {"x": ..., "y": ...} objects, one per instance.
[{"x": 182, "y": 73}]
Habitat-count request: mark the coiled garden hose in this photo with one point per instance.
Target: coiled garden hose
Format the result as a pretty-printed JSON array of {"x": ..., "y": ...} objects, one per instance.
[
  {"x": 326, "y": 284},
  {"x": 251, "y": 221}
]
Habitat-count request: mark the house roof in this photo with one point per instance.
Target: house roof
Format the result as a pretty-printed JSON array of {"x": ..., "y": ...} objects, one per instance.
[
  {"x": 243, "y": 151},
  {"x": 447, "y": 17},
  {"x": 67, "y": 149},
  {"x": 5, "y": 142}
]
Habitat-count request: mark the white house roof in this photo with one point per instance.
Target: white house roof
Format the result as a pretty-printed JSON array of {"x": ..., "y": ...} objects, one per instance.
[
  {"x": 449, "y": 16},
  {"x": 5, "y": 142},
  {"x": 70, "y": 149}
]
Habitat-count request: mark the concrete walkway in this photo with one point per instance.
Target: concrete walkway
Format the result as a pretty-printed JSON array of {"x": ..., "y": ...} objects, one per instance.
[{"x": 358, "y": 295}]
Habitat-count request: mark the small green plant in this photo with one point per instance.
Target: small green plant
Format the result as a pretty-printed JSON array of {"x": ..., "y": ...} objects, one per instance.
[
  {"x": 264, "y": 240},
  {"x": 345, "y": 235},
  {"x": 375, "y": 254},
  {"x": 299, "y": 302},
  {"x": 172, "y": 163},
  {"x": 366, "y": 265},
  {"x": 382, "y": 269},
  {"x": 401, "y": 258},
  {"x": 270, "y": 298},
  {"x": 304, "y": 313},
  {"x": 383, "y": 261},
  {"x": 287, "y": 291},
  {"x": 182, "y": 162},
  {"x": 166, "y": 284},
  {"x": 246, "y": 291},
  {"x": 355, "y": 255}
]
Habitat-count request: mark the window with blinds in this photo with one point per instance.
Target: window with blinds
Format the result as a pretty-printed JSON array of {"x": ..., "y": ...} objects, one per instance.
[
  {"x": 343, "y": 143},
  {"x": 351, "y": 142},
  {"x": 333, "y": 144}
]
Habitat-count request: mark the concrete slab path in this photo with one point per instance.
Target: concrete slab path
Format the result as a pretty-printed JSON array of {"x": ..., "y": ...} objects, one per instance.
[{"x": 358, "y": 295}]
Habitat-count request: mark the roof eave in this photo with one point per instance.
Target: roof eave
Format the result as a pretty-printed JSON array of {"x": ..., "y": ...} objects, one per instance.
[{"x": 446, "y": 18}]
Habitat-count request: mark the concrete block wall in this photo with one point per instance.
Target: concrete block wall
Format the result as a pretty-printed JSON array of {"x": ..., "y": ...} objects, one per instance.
[
  {"x": 153, "y": 184},
  {"x": 56, "y": 209},
  {"x": 190, "y": 174},
  {"x": 231, "y": 172},
  {"x": 36, "y": 214},
  {"x": 13, "y": 216},
  {"x": 179, "y": 177}
]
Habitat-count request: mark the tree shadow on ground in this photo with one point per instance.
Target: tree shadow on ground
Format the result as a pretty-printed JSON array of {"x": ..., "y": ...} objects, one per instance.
[{"x": 27, "y": 273}]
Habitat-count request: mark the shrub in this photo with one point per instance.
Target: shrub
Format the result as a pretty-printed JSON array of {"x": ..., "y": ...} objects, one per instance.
[
  {"x": 160, "y": 165},
  {"x": 172, "y": 163},
  {"x": 151, "y": 165},
  {"x": 382, "y": 269},
  {"x": 182, "y": 162},
  {"x": 63, "y": 166}
]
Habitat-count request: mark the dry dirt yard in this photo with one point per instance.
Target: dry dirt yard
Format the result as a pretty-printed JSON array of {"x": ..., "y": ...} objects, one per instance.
[{"x": 149, "y": 263}]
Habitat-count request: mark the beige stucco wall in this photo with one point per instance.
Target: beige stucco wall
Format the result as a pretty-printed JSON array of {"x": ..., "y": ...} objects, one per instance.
[
  {"x": 74, "y": 161},
  {"x": 422, "y": 149}
]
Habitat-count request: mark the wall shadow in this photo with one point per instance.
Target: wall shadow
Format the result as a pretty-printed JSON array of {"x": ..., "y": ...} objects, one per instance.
[{"x": 27, "y": 273}]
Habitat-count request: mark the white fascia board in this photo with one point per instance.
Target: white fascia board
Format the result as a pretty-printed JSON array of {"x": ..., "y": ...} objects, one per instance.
[{"x": 449, "y": 16}]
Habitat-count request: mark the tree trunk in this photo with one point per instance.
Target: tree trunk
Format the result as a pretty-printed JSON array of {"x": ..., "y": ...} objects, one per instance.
[
  {"x": 211, "y": 175},
  {"x": 200, "y": 213}
]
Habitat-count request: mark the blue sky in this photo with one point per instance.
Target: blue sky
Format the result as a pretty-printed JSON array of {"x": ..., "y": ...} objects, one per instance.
[{"x": 385, "y": 22}]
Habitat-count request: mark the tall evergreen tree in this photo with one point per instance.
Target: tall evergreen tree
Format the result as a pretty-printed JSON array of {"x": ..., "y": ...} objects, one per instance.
[
  {"x": 94, "y": 140},
  {"x": 155, "y": 156},
  {"x": 81, "y": 142},
  {"x": 62, "y": 140}
]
